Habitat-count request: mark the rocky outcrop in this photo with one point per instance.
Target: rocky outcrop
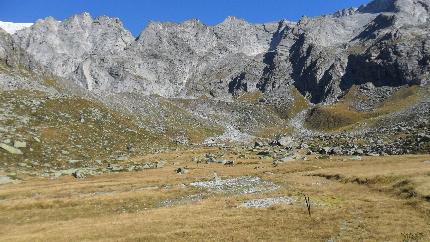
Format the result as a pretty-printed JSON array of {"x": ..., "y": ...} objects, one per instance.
[
  {"x": 166, "y": 59},
  {"x": 80, "y": 48}
]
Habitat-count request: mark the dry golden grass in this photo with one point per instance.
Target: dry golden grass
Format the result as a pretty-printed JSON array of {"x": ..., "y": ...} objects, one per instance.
[
  {"x": 300, "y": 102},
  {"x": 333, "y": 117},
  {"x": 250, "y": 97},
  {"x": 126, "y": 206}
]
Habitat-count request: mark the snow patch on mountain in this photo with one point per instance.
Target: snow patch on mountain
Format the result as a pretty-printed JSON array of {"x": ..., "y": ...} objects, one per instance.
[{"x": 11, "y": 28}]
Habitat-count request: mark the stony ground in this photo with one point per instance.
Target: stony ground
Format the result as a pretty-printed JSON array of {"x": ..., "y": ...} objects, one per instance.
[{"x": 234, "y": 193}]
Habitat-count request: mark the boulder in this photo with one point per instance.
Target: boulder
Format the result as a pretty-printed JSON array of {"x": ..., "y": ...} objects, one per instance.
[
  {"x": 19, "y": 144},
  {"x": 210, "y": 158},
  {"x": 121, "y": 158},
  {"x": 115, "y": 168},
  {"x": 288, "y": 158},
  {"x": 11, "y": 149},
  {"x": 181, "y": 170},
  {"x": 325, "y": 150},
  {"x": 286, "y": 142},
  {"x": 337, "y": 151},
  {"x": 160, "y": 164},
  {"x": 72, "y": 162},
  {"x": 78, "y": 175},
  {"x": 358, "y": 152},
  {"x": 304, "y": 146},
  {"x": 5, "y": 180},
  {"x": 153, "y": 165},
  {"x": 259, "y": 143}
]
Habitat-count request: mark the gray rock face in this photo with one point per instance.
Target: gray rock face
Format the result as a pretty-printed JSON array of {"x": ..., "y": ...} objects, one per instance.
[
  {"x": 323, "y": 57},
  {"x": 72, "y": 48},
  {"x": 15, "y": 57},
  {"x": 384, "y": 42},
  {"x": 101, "y": 55}
]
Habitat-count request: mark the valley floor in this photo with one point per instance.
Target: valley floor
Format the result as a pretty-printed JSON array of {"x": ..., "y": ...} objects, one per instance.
[{"x": 352, "y": 199}]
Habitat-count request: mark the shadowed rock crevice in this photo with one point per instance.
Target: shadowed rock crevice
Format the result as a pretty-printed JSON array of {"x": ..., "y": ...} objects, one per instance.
[
  {"x": 237, "y": 85},
  {"x": 304, "y": 70}
]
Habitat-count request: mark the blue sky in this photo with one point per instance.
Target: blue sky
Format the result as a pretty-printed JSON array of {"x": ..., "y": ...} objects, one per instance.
[{"x": 136, "y": 14}]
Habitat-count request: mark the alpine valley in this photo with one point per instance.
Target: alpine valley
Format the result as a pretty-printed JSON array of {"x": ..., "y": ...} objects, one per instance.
[{"x": 84, "y": 100}]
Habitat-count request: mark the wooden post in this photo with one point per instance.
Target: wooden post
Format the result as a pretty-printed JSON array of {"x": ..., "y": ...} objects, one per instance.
[{"x": 308, "y": 204}]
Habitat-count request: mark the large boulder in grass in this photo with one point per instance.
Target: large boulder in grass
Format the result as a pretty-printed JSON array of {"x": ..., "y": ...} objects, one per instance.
[
  {"x": 11, "y": 149},
  {"x": 286, "y": 142}
]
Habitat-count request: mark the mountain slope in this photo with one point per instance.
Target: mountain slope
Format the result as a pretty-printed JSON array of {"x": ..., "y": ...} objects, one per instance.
[{"x": 192, "y": 83}]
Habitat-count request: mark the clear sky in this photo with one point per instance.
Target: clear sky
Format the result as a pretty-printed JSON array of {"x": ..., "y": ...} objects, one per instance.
[{"x": 136, "y": 14}]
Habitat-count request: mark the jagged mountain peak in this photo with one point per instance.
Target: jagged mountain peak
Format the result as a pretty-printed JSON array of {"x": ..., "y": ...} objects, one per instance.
[
  {"x": 82, "y": 17},
  {"x": 232, "y": 20},
  {"x": 410, "y": 6},
  {"x": 378, "y": 6},
  {"x": 46, "y": 21},
  {"x": 193, "y": 22}
]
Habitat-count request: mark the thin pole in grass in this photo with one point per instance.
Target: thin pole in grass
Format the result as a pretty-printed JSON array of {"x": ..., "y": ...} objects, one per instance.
[{"x": 308, "y": 204}]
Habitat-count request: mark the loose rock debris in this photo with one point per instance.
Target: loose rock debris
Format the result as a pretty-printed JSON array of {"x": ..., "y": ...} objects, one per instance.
[
  {"x": 239, "y": 185},
  {"x": 267, "y": 202}
]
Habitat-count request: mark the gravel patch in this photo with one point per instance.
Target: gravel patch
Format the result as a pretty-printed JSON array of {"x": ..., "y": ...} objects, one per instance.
[
  {"x": 182, "y": 200},
  {"x": 238, "y": 185},
  {"x": 267, "y": 202}
]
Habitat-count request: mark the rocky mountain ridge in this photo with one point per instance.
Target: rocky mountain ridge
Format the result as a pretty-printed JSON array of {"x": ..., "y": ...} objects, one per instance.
[{"x": 316, "y": 55}]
